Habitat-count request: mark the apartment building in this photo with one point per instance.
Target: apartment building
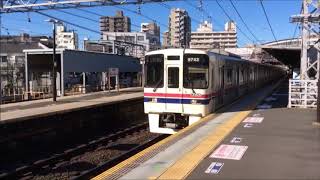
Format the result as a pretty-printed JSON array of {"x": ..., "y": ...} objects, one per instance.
[
  {"x": 130, "y": 43},
  {"x": 117, "y": 23},
  {"x": 179, "y": 28},
  {"x": 206, "y": 38},
  {"x": 66, "y": 39}
]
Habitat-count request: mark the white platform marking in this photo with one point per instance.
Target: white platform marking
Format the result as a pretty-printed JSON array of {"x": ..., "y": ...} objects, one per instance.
[
  {"x": 248, "y": 125},
  {"x": 236, "y": 140},
  {"x": 256, "y": 115},
  {"x": 233, "y": 152},
  {"x": 253, "y": 120}
]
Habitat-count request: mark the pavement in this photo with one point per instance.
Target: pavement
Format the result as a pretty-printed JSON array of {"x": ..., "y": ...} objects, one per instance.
[
  {"x": 31, "y": 109},
  {"x": 284, "y": 145},
  {"x": 169, "y": 159},
  {"x": 239, "y": 142}
]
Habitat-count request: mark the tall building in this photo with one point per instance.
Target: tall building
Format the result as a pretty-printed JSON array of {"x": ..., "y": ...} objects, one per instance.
[
  {"x": 151, "y": 28},
  {"x": 205, "y": 38},
  {"x": 118, "y": 23},
  {"x": 129, "y": 43},
  {"x": 165, "y": 41},
  {"x": 179, "y": 28},
  {"x": 66, "y": 39}
]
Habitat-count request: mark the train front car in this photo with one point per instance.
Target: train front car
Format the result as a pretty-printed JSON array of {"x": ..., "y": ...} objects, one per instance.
[{"x": 176, "y": 90}]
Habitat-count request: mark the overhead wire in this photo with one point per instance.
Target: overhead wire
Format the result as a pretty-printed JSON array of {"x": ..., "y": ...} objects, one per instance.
[
  {"x": 242, "y": 20},
  {"x": 229, "y": 17},
  {"x": 266, "y": 15},
  {"x": 85, "y": 28},
  {"x": 142, "y": 15},
  {"x": 97, "y": 14},
  {"x": 93, "y": 20},
  {"x": 169, "y": 7},
  {"x": 204, "y": 11},
  {"x": 297, "y": 25}
]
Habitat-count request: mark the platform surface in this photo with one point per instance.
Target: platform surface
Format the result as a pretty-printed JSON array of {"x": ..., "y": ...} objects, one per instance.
[
  {"x": 30, "y": 109},
  {"x": 284, "y": 145}
]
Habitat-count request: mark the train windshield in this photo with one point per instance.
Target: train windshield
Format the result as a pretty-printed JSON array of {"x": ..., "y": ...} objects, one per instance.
[
  {"x": 154, "y": 71},
  {"x": 195, "y": 71}
]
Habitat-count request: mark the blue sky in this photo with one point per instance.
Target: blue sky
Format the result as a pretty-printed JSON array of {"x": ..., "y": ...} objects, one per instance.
[{"x": 278, "y": 11}]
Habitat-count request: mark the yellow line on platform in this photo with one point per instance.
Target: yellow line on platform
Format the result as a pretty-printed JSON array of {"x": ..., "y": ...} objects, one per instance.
[
  {"x": 188, "y": 162},
  {"x": 130, "y": 160},
  {"x": 185, "y": 165}
]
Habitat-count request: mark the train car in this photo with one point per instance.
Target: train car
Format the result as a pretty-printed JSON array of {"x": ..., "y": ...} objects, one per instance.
[{"x": 184, "y": 85}]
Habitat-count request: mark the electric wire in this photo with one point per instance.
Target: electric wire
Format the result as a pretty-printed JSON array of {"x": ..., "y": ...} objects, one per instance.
[
  {"x": 266, "y": 15},
  {"x": 169, "y": 7},
  {"x": 202, "y": 10},
  {"x": 97, "y": 14},
  {"x": 229, "y": 17},
  {"x": 245, "y": 24}
]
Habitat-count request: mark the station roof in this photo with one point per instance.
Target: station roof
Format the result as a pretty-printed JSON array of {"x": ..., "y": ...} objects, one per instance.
[
  {"x": 80, "y": 61},
  {"x": 288, "y": 56}
]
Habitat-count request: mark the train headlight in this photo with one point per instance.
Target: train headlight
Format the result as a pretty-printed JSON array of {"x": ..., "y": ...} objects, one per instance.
[
  {"x": 194, "y": 101},
  {"x": 154, "y": 100}
]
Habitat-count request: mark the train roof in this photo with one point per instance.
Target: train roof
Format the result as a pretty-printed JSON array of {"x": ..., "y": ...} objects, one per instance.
[
  {"x": 179, "y": 50},
  {"x": 230, "y": 56},
  {"x": 196, "y": 51}
]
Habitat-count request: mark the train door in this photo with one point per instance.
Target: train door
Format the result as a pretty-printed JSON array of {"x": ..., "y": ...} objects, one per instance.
[
  {"x": 221, "y": 87},
  {"x": 238, "y": 80},
  {"x": 173, "y": 89}
]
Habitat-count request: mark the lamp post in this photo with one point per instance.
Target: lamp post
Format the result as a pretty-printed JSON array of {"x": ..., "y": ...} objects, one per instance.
[{"x": 54, "y": 67}]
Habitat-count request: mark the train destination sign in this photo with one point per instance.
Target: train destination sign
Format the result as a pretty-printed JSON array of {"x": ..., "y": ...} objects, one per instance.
[{"x": 154, "y": 58}]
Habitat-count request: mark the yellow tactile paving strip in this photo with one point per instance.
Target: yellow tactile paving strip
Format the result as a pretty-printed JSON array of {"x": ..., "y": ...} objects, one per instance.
[
  {"x": 187, "y": 163},
  {"x": 184, "y": 166},
  {"x": 132, "y": 159}
]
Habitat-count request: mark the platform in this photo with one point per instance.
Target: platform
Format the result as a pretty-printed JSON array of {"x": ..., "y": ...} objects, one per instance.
[
  {"x": 276, "y": 143},
  {"x": 20, "y": 111}
]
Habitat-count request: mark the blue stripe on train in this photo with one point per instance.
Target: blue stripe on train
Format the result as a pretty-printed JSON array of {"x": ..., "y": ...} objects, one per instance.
[{"x": 178, "y": 101}]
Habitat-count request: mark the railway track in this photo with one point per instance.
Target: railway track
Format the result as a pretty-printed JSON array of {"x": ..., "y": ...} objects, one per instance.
[{"x": 87, "y": 160}]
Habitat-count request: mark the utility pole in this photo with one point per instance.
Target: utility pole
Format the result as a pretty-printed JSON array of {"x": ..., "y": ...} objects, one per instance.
[
  {"x": 54, "y": 67},
  {"x": 309, "y": 21},
  {"x": 304, "y": 41}
]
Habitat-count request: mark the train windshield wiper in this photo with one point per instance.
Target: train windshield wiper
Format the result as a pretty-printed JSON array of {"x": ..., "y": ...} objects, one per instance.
[
  {"x": 193, "y": 91},
  {"x": 157, "y": 85}
]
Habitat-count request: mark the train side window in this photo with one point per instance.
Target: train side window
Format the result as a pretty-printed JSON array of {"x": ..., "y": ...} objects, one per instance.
[
  {"x": 173, "y": 77},
  {"x": 212, "y": 77},
  {"x": 241, "y": 76},
  {"x": 229, "y": 76}
]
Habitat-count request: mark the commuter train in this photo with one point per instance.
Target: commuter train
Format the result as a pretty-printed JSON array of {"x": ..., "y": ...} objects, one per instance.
[{"x": 184, "y": 85}]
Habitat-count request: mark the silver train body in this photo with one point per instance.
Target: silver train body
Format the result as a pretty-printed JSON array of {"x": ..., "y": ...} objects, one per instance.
[{"x": 184, "y": 85}]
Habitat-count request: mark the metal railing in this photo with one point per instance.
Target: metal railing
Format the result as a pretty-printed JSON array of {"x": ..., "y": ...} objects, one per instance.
[{"x": 303, "y": 93}]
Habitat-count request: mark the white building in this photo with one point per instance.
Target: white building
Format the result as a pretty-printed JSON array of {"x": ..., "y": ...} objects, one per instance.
[
  {"x": 134, "y": 43},
  {"x": 66, "y": 39},
  {"x": 206, "y": 38}
]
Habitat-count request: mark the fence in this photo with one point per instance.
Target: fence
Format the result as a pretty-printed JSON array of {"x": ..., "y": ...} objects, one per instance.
[{"x": 303, "y": 93}]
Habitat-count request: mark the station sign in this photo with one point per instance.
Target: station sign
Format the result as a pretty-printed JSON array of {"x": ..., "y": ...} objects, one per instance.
[{"x": 113, "y": 71}]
